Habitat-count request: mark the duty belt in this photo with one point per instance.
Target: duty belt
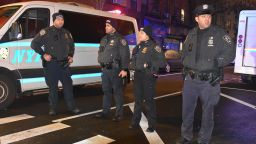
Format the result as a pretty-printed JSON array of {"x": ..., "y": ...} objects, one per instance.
[
  {"x": 63, "y": 63},
  {"x": 201, "y": 75},
  {"x": 107, "y": 65}
]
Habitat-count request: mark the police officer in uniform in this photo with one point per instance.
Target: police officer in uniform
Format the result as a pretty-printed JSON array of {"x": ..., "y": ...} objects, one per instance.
[
  {"x": 113, "y": 56},
  {"x": 207, "y": 50},
  {"x": 56, "y": 47},
  {"x": 147, "y": 58}
]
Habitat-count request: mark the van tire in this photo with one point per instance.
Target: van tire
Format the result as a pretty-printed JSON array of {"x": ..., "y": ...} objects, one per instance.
[
  {"x": 244, "y": 78},
  {"x": 7, "y": 91},
  {"x": 249, "y": 79}
]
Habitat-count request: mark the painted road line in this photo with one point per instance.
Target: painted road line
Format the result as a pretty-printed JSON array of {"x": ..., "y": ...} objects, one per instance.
[
  {"x": 238, "y": 89},
  {"x": 97, "y": 111},
  {"x": 167, "y": 95},
  {"x": 153, "y": 138},
  {"x": 14, "y": 137},
  {"x": 99, "y": 139},
  {"x": 76, "y": 116},
  {"x": 169, "y": 74},
  {"x": 14, "y": 118},
  {"x": 239, "y": 101}
]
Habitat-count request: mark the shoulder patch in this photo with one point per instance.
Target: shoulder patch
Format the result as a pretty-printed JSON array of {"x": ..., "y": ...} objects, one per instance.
[
  {"x": 227, "y": 38},
  {"x": 70, "y": 35},
  {"x": 186, "y": 39},
  {"x": 66, "y": 36},
  {"x": 158, "y": 48},
  {"x": 123, "y": 41},
  {"x": 103, "y": 42},
  {"x": 42, "y": 32}
]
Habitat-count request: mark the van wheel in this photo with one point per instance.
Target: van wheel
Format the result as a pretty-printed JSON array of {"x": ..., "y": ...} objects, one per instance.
[
  {"x": 245, "y": 78},
  {"x": 7, "y": 92}
]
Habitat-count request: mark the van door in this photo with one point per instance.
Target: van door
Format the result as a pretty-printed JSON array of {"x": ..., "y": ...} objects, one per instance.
[
  {"x": 30, "y": 21},
  {"x": 25, "y": 25}
]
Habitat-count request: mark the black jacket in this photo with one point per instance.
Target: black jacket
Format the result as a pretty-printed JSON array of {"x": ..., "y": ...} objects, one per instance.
[
  {"x": 56, "y": 42},
  {"x": 147, "y": 56},
  {"x": 114, "y": 48},
  {"x": 217, "y": 50}
]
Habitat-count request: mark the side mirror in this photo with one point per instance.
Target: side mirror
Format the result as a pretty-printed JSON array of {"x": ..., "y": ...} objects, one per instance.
[
  {"x": 19, "y": 36},
  {"x": 15, "y": 32},
  {"x": 172, "y": 54}
]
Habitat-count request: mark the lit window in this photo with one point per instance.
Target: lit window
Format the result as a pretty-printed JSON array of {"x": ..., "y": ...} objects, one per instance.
[{"x": 182, "y": 13}]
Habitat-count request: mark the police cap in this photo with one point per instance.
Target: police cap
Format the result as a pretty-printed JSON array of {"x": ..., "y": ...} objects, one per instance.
[
  {"x": 112, "y": 22},
  {"x": 148, "y": 30},
  {"x": 57, "y": 15},
  {"x": 204, "y": 9}
]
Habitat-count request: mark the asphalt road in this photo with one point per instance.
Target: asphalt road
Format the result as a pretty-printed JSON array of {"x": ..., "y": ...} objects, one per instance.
[{"x": 27, "y": 120}]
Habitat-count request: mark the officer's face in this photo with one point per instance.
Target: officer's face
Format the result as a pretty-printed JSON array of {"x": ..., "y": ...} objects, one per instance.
[
  {"x": 204, "y": 21},
  {"x": 109, "y": 29},
  {"x": 58, "y": 22},
  {"x": 142, "y": 36}
]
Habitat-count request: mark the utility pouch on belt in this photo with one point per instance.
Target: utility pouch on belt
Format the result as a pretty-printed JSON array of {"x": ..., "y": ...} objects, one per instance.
[{"x": 63, "y": 63}]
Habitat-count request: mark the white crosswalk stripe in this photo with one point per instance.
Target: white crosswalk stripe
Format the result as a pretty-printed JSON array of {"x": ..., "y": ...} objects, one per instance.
[
  {"x": 99, "y": 139},
  {"x": 14, "y": 137},
  {"x": 153, "y": 138},
  {"x": 15, "y": 118}
]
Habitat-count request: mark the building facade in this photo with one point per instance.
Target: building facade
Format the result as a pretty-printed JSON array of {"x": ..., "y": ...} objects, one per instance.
[{"x": 227, "y": 12}]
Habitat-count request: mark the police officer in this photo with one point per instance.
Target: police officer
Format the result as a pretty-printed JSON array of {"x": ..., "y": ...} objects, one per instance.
[
  {"x": 147, "y": 58},
  {"x": 113, "y": 56},
  {"x": 207, "y": 50},
  {"x": 56, "y": 47}
]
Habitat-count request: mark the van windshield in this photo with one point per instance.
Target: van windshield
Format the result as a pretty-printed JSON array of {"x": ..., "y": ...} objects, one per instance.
[{"x": 6, "y": 13}]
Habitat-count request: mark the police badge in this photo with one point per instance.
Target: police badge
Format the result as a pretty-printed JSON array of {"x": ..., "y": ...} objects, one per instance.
[
  {"x": 112, "y": 42},
  {"x": 210, "y": 41},
  {"x": 145, "y": 50},
  {"x": 145, "y": 65},
  {"x": 158, "y": 49}
]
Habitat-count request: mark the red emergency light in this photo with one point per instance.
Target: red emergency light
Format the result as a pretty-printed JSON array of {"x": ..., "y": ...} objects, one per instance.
[{"x": 115, "y": 12}]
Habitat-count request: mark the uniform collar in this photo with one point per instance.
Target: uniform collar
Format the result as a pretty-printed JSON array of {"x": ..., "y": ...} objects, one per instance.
[
  {"x": 203, "y": 30},
  {"x": 196, "y": 29},
  {"x": 146, "y": 43},
  {"x": 56, "y": 29},
  {"x": 112, "y": 34}
]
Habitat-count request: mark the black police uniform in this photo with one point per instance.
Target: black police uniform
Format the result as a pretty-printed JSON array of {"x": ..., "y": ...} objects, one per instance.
[
  {"x": 205, "y": 54},
  {"x": 113, "y": 56},
  {"x": 147, "y": 58},
  {"x": 59, "y": 44}
]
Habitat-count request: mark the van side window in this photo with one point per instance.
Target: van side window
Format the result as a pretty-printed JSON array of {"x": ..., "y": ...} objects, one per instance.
[
  {"x": 33, "y": 20},
  {"x": 86, "y": 28},
  {"x": 29, "y": 24}
]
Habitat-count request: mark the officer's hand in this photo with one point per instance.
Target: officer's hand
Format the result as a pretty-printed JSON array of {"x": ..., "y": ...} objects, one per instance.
[
  {"x": 47, "y": 57},
  {"x": 122, "y": 74},
  {"x": 70, "y": 60}
]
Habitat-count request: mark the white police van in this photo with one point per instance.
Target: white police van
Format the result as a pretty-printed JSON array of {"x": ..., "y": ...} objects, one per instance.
[
  {"x": 245, "y": 62},
  {"x": 21, "y": 68}
]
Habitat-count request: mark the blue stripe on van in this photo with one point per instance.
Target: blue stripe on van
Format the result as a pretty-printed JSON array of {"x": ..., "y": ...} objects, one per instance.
[
  {"x": 42, "y": 79},
  {"x": 13, "y": 44}
]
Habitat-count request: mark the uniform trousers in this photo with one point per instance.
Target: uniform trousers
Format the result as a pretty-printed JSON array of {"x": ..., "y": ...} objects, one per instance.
[
  {"x": 209, "y": 96},
  {"x": 144, "y": 89},
  {"x": 54, "y": 73},
  {"x": 112, "y": 84}
]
